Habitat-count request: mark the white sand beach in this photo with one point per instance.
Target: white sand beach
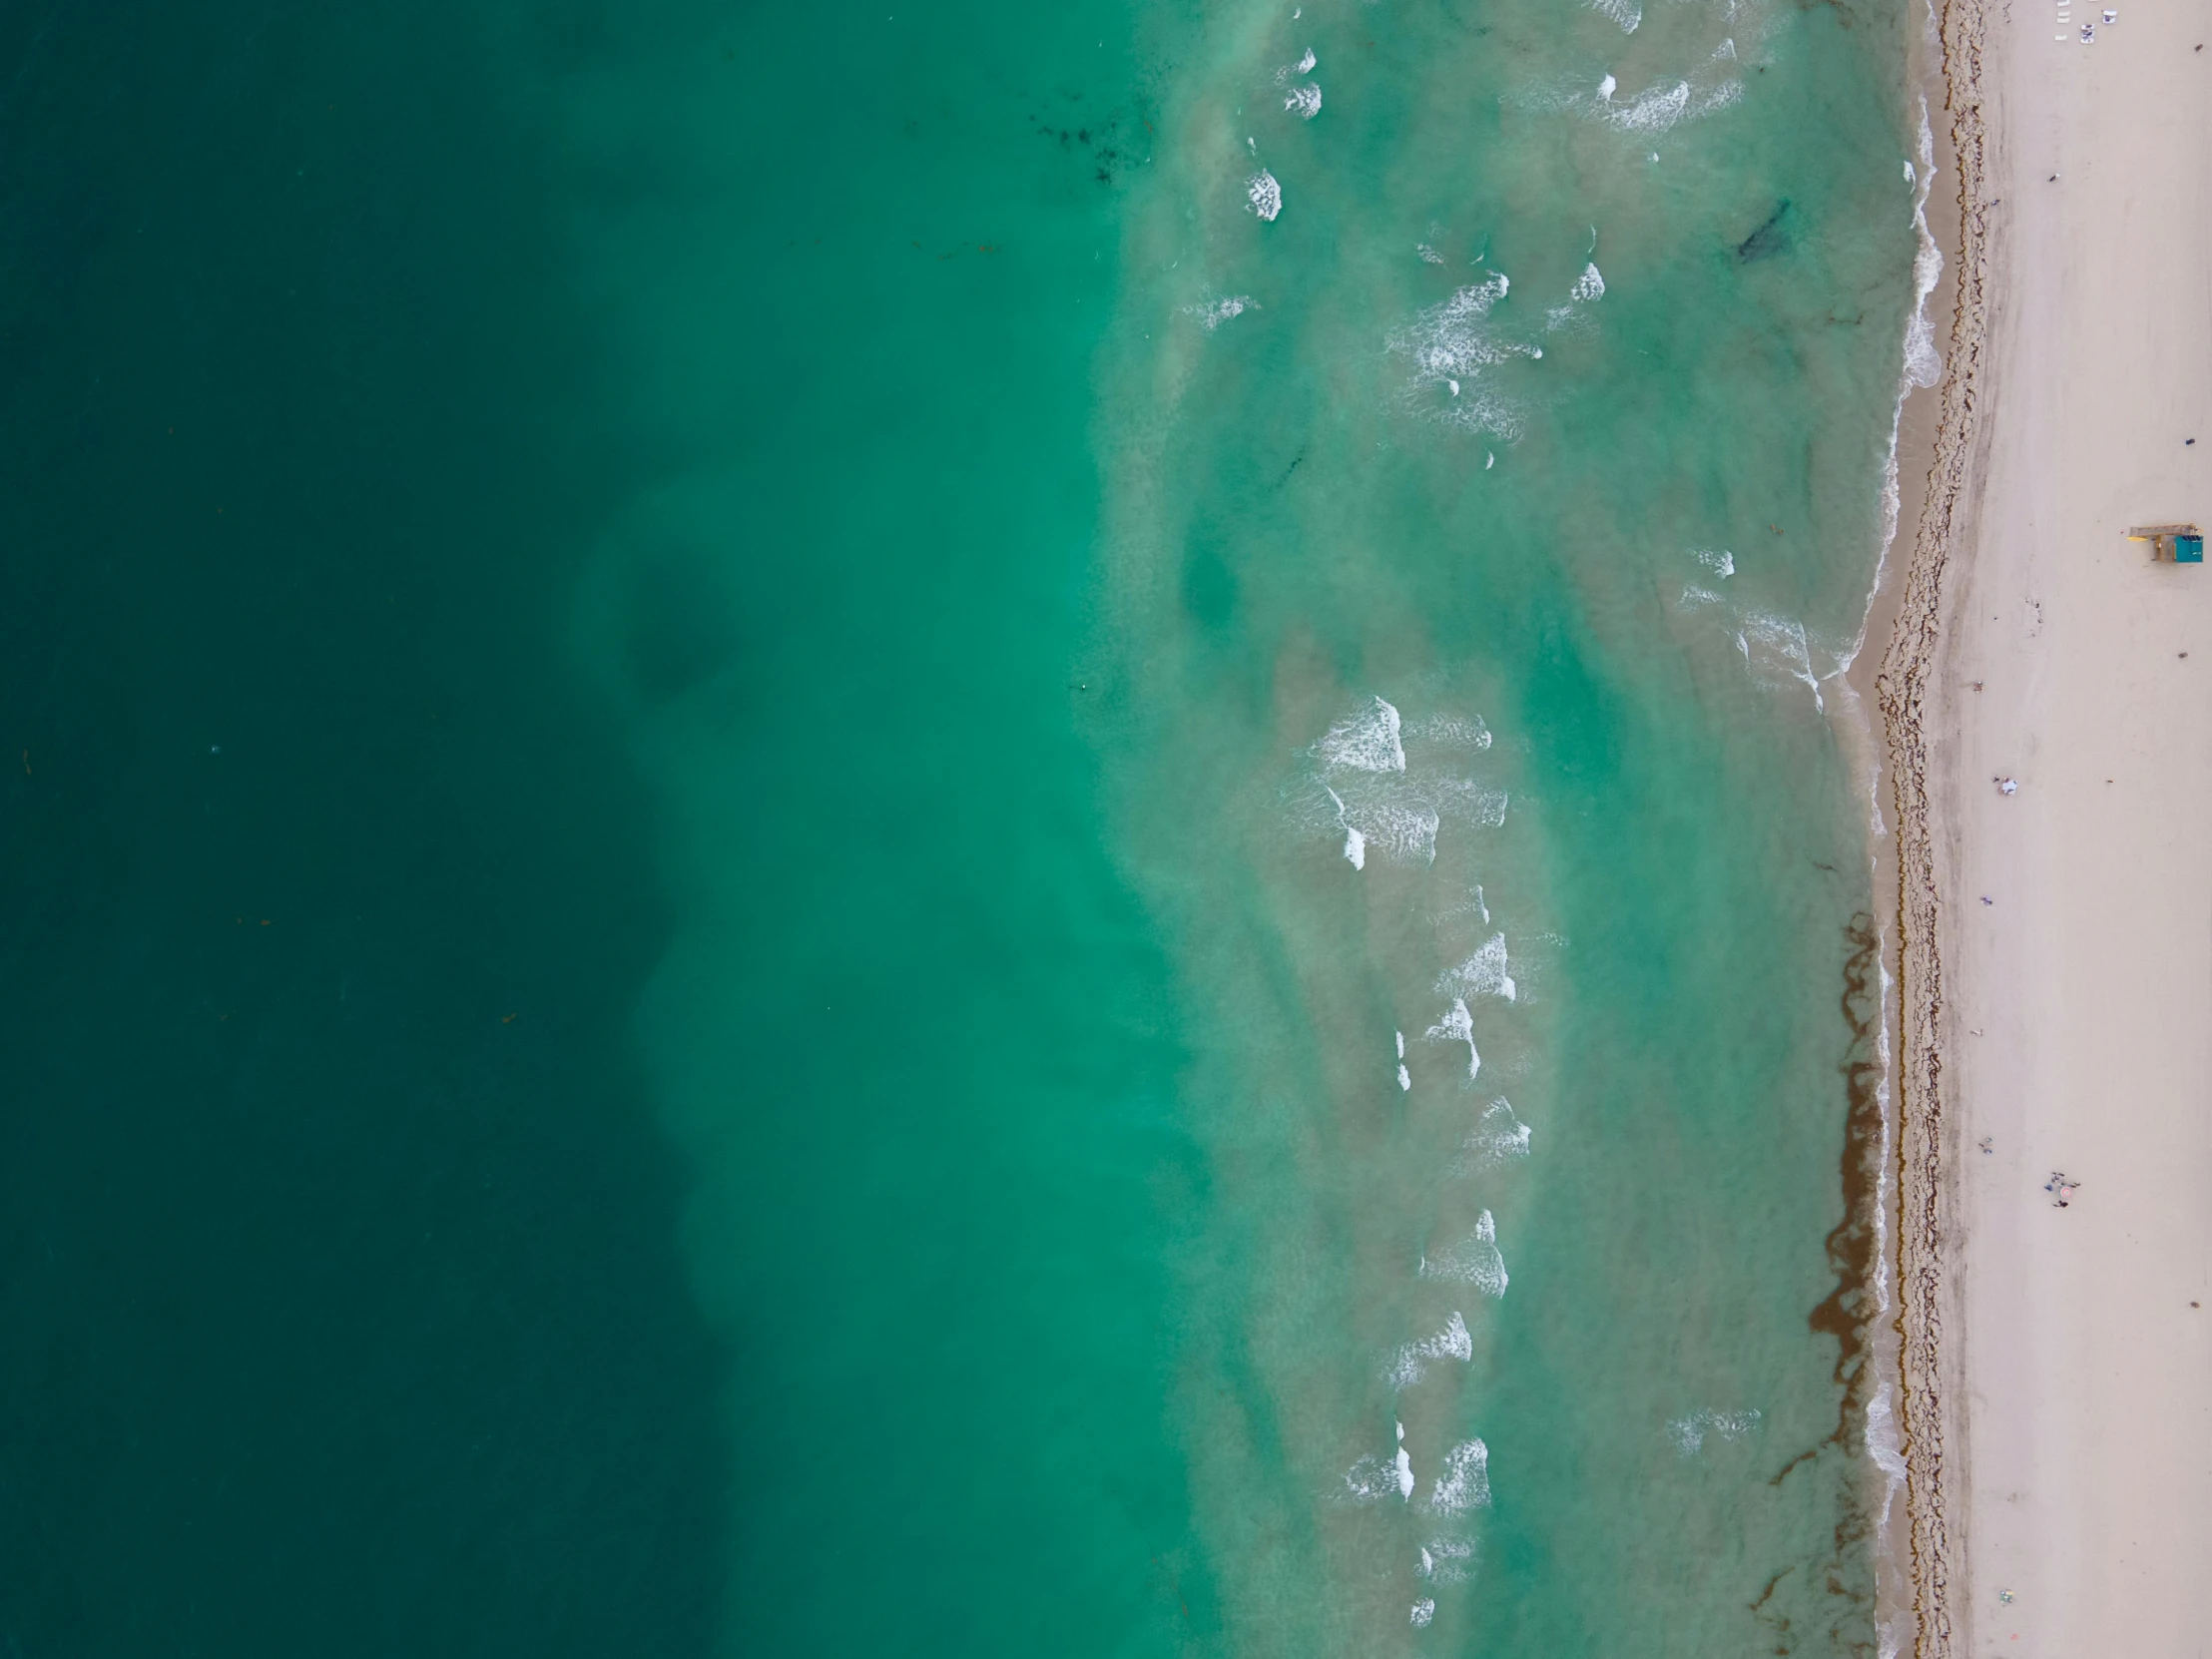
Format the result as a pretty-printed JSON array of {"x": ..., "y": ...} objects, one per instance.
[{"x": 2074, "y": 1029}]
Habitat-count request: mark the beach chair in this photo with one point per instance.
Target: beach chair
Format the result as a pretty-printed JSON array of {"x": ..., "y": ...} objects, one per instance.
[{"x": 2173, "y": 544}]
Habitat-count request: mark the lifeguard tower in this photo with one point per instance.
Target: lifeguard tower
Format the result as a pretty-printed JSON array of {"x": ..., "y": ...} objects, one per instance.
[{"x": 2173, "y": 544}]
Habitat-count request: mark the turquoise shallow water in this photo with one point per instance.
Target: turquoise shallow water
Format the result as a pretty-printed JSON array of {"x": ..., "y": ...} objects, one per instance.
[
  {"x": 792, "y": 622},
  {"x": 1475, "y": 650}
]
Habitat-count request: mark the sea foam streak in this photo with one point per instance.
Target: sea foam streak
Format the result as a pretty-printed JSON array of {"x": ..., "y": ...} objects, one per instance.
[
  {"x": 1689, "y": 1433},
  {"x": 1481, "y": 975},
  {"x": 1475, "y": 1261},
  {"x": 1452, "y": 343},
  {"x": 1498, "y": 1137},
  {"x": 1447, "y": 1560},
  {"x": 1367, "y": 791},
  {"x": 1213, "y": 312},
  {"x": 1451, "y": 731},
  {"x": 1367, "y": 741},
  {"x": 1458, "y": 1027},
  {"x": 1411, "y": 1363},
  {"x": 1463, "y": 1480},
  {"x": 1714, "y": 85},
  {"x": 1777, "y": 652}
]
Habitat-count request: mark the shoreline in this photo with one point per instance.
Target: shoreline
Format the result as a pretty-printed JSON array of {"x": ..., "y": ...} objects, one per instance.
[
  {"x": 2051, "y": 1355},
  {"x": 1934, "y": 459}
]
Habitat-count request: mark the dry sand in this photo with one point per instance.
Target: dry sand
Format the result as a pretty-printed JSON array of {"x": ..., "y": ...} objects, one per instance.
[{"x": 2058, "y": 1371}]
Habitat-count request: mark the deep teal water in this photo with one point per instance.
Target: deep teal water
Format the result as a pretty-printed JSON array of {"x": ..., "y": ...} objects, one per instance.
[{"x": 679, "y": 979}]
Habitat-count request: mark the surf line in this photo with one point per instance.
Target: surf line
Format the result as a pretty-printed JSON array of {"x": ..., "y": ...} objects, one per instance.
[{"x": 1902, "y": 689}]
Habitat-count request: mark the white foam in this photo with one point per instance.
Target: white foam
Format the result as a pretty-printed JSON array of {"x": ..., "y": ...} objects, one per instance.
[
  {"x": 1463, "y": 1483},
  {"x": 1410, "y": 1362},
  {"x": 1884, "y": 1444},
  {"x": 1401, "y": 1045},
  {"x": 1292, "y": 71},
  {"x": 1405, "y": 1467},
  {"x": 1448, "y": 1560},
  {"x": 1689, "y": 1433},
  {"x": 1624, "y": 12},
  {"x": 1713, "y": 86},
  {"x": 1466, "y": 732},
  {"x": 1469, "y": 800},
  {"x": 1371, "y": 1479},
  {"x": 1424, "y": 1610},
  {"x": 1498, "y": 1135},
  {"x": 1404, "y": 1078},
  {"x": 1446, "y": 339},
  {"x": 1264, "y": 195},
  {"x": 1481, "y": 975},
  {"x": 1303, "y": 101},
  {"x": 1213, "y": 312},
  {"x": 1718, "y": 560},
  {"x": 1458, "y": 1027},
  {"x": 1475, "y": 1261},
  {"x": 1777, "y": 651},
  {"x": 1450, "y": 343},
  {"x": 1375, "y": 799},
  {"x": 1428, "y": 256},
  {"x": 1653, "y": 110},
  {"x": 1884, "y": 1447},
  {"x": 1720, "y": 98},
  {"x": 1367, "y": 741},
  {"x": 1923, "y": 364},
  {"x": 1389, "y": 817},
  {"x": 1486, "y": 416},
  {"x": 1355, "y": 844},
  {"x": 1922, "y": 368},
  {"x": 1403, "y": 833}
]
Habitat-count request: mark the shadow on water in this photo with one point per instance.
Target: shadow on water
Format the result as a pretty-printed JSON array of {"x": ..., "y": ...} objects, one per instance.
[{"x": 340, "y": 1304}]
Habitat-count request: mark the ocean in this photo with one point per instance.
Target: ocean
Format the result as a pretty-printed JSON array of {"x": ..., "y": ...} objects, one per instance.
[{"x": 950, "y": 830}]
